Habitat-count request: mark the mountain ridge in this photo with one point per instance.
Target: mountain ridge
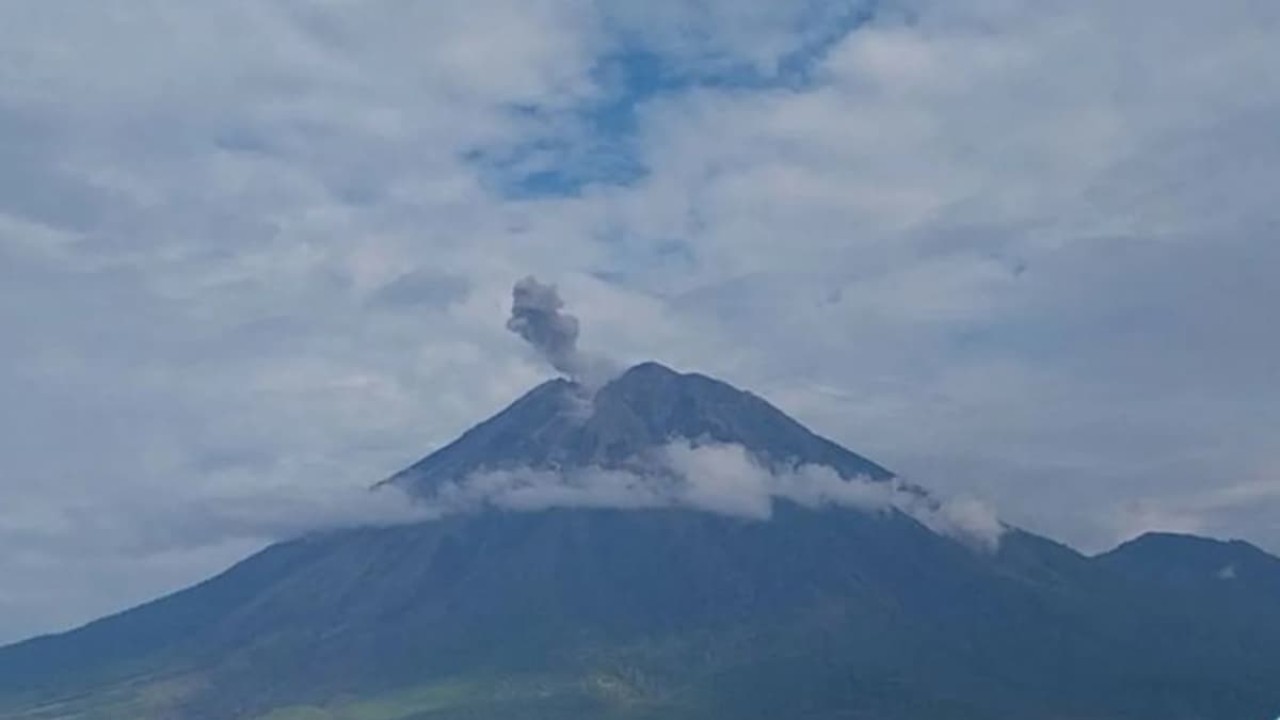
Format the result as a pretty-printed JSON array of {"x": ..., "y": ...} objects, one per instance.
[
  {"x": 560, "y": 424},
  {"x": 672, "y": 612}
]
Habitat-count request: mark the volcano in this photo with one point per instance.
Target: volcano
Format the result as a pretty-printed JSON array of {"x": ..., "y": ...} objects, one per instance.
[
  {"x": 559, "y": 425},
  {"x": 667, "y": 610}
]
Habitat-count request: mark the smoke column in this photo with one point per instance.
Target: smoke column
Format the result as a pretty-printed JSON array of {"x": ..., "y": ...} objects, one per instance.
[{"x": 536, "y": 316}]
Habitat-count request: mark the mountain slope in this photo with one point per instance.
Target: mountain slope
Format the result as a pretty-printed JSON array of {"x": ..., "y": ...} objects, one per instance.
[
  {"x": 1182, "y": 563},
  {"x": 556, "y": 426},
  {"x": 669, "y": 613}
]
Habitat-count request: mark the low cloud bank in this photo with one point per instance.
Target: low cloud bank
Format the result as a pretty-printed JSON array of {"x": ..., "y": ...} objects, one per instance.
[
  {"x": 283, "y": 515},
  {"x": 718, "y": 478},
  {"x": 725, "y": 479}
]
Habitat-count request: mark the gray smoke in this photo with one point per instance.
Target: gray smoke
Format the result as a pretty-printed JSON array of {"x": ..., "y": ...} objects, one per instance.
[{"x": 536, "y": 316}]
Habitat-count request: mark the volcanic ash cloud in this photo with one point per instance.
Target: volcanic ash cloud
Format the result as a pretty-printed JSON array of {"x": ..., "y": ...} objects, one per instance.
[{"x": 537, "y": 316}]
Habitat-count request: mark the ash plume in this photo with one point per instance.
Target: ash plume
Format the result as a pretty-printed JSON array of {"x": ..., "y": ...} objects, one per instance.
[{"x": 536, "y": 316}]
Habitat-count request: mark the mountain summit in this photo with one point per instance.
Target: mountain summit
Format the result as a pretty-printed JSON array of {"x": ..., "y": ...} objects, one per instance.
[
  {"x": 672, "y": 613},
  {"x": 561, "y": 425}
]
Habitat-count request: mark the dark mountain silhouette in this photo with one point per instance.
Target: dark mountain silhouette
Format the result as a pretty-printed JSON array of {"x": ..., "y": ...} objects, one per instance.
[
  {"x": 556, "y": 426},
  {"x": 673, "y": 613}
]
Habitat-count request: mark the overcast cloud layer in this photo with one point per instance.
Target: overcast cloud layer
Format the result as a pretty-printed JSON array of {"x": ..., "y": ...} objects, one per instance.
[{"x": 254, "y": 256}]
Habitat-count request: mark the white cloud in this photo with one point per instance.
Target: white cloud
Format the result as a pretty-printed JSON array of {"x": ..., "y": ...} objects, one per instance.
[
  {"x": 1020, "y": 249},
  {"x": 712, "y": 36},
  {"x": 720, "y": 478},
  {"x": 1241, "y": 508}
]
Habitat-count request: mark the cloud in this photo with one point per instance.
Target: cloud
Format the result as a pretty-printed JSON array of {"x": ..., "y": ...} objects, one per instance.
[
  {"x": 719, "y": 38},
  {"x": 1231, "y": 509},
  {"x": 1020, "y": 249},
  {"x": 724, "y": 479},
  {"x": 424, "y": 288}
]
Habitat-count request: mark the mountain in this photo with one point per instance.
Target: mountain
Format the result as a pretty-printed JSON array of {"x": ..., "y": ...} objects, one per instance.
[
  {"x": 1182, "y": 564},
  {"x": 555, "y": 427},
  {"x": 670, "y": 612}
]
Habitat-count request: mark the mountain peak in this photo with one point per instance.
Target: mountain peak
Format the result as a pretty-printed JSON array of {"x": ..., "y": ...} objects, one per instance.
[
  {"x": 1184, "y": 561},
  {"x": 558, "y": 425},
  {"x": 1160, "y": 542},
  {"x": 648, "y": 369}
]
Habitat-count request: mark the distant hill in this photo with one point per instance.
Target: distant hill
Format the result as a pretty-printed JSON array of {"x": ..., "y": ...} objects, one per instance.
[{"x": 666, "y": 611}]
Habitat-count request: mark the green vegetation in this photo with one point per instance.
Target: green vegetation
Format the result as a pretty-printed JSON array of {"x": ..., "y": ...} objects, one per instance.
[
  {"x": 605, "y": 695},
  {"x": 397, "y": 706}
]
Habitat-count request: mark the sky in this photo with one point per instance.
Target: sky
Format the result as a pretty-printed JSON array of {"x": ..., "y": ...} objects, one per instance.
[{"x": 257, "y": 256}]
